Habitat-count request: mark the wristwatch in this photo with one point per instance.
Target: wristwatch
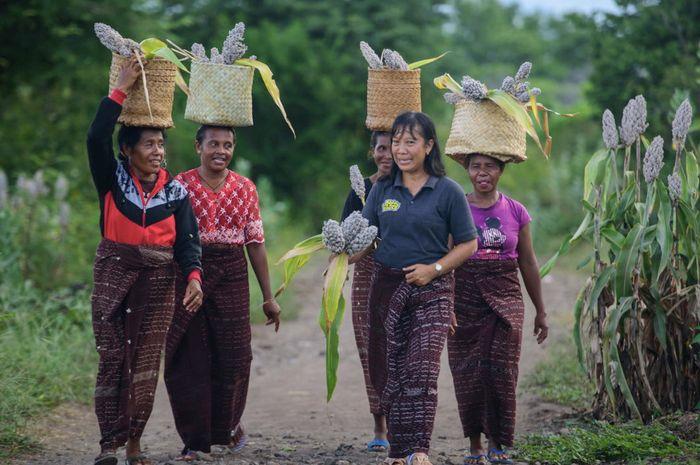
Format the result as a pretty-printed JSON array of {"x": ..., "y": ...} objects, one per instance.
[{"x": 438, "y": 267}]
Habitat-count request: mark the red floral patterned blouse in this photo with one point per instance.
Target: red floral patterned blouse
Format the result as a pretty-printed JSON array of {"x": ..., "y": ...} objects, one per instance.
[{"x": 230, "y": 216}]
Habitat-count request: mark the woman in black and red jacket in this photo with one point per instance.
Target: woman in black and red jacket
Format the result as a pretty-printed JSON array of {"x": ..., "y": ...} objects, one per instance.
[{"x": 147, "y": 227}]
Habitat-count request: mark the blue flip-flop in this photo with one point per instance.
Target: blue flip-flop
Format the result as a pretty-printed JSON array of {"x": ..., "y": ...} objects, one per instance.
[
  {"x": 479, "y": 459},
  {"x": 378, "y": 445},
  {"x": 505, "y": 461}
]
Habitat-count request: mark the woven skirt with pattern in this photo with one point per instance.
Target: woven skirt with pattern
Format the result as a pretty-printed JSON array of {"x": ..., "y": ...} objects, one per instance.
[
  {"x": 409, "y": 326},
  {"x": 361, "y": 281},
  {"x": 208, "y": 353},
  {"x": 132, "y": 306},
  {"x": 485, "y": 351}
]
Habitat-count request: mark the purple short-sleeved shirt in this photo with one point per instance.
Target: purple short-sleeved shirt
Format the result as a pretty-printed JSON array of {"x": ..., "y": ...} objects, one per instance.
[{"x": 498, "y": 227}]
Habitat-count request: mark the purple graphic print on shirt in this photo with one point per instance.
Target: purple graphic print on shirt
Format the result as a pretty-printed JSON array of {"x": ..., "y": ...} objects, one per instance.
[{"x": 498, "y": 227}]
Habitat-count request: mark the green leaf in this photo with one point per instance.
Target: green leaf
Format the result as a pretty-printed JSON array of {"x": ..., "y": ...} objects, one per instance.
[
  {"x": 153, "y": 47},
  {"x": 627, "y": 260},
  {"x": 333, "y": 286},
  {"x": 307, "y": 246},
  {"x": 578, "y": 311},
  {"x": 291, "y": 268},
  {"x": 613, "y": 237},
  {"x": 692, "y": 172},
  {"x": 333, "y": 351},
  {"x": 270, "y": 85},
  {"x": 594, "y": 172},
  {"x": 582, "y": 227},
  {"x": 601, "y": 282},
  {"x": 427, "y": 61},
  {"x": 563, "y": 248}
]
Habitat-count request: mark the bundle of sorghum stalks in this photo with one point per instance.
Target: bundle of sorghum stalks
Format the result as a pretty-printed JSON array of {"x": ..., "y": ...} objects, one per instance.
[
  {"x": 233, "y": 48},
  {"x": 390, "y": 59}
]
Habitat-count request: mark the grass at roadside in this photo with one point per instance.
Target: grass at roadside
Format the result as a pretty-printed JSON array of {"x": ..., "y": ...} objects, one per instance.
[
  {"x": 592, "y": 443},
  {"x": 47, "y": 357}
]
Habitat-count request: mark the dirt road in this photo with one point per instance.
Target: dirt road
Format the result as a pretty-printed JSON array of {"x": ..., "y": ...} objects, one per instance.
[{"x": 287, "y": 418}]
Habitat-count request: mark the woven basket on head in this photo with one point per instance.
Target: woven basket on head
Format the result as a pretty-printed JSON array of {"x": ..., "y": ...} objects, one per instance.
[
  {"x": 391, "y": 92},
  {"x": 220, "y": 94},
  {"x": 160, "y": 81},
  {"x": 483, "y": 127}
]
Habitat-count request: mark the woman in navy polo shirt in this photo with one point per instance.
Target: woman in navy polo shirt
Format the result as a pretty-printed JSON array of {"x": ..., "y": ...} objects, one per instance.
[{"x": 417, "y": 210}]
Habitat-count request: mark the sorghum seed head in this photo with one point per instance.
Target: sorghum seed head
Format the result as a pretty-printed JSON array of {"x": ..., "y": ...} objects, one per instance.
[
  {"x": 373, "y": 61},
  {"x": 109, "y": 37},
  {"x": 234, "y": 48},
  {"x": 633, "y": 120},
  {"x": 681, "y": 123},
  {"x": 473, "y": 89},
  {"x": 216, "y": 57},
  {"x": 362, "y": 240},
  {"x": 610, "y": 137},
  {"x": 393, "y": 60},
  {"x": 199, "y": 52},
  {"x": 128, "y": 46},
  {"x": 352, "y": 225},
  {"x": 653, "y": 160},
  {"x": 508, "y": 85},
  {"x": 674, "y": 186},
  {"x": 357, "y": 182},
  {"x": 333, "y": 236},
  {"x": 523, "y": 72},
  {"x": 60, "y": 188}
]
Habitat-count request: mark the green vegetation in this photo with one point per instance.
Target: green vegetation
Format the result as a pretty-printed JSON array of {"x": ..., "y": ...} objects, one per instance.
[
  {"x": 560, "y": 379},
  {"x": 601, "y": 442}
]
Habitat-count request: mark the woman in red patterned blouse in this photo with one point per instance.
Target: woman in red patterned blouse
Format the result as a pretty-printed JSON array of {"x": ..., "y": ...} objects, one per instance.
[{"x": 208, "y": 353}]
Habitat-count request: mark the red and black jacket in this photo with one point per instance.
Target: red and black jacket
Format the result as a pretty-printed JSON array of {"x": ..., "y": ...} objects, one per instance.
[{"x": 163, "y": 217}]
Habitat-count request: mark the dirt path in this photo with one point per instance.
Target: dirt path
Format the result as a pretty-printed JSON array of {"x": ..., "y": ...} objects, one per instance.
[{"x": 287, "y": 417}]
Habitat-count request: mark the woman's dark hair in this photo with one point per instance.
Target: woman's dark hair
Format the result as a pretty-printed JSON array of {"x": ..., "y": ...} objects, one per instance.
[
  {"x": 501, "y": 164},
  {"x": 202, "y": 131},
  {"x": 410, "y": 121},
  {"x": 129, "y": 136}
]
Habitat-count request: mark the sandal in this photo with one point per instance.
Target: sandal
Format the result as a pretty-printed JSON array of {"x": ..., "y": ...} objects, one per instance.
[
  {"x": 239, "y": 445},
  {"x": 420, "y": 460},
  {"x": 378, "y": 445},
  {"x": 497, "y": 456},
  {"x": 189, "y": 455},
  {"x": 479, "y": 459},
  {"x": 138, "y": 460},
  {"x": 107, "y": 458}
]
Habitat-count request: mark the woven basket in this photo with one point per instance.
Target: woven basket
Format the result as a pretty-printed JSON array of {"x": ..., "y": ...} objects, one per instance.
[
  {"x": 483, "y": 127},
  {"x": 160, "y": 80},
  {"x": 391, "y": 92},
  {"x": 220, "y": 94}
]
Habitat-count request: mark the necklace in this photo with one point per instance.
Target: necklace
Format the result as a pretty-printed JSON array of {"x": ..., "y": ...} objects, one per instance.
[{"x": 215, "y": 187}]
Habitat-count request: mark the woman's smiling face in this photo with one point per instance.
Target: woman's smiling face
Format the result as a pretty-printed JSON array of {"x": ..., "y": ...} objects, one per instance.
[
  {"x": 484, "y": 173},
  {"x": 216, "y": 149},
  {"x": 409, "y": 149}
]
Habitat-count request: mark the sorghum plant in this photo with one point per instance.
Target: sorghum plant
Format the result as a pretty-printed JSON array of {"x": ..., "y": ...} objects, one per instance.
[
  {"x": 343, "y": 240},
  {"x": 637, "y": 314}
]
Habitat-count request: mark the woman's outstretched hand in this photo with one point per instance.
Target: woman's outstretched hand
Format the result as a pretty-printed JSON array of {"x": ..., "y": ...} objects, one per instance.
[
  {"x": 128, "y": 74},
  {"x": 193, "y": 296}
]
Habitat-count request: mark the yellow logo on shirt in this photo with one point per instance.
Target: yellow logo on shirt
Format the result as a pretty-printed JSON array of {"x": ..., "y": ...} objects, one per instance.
[{"x": 391, "y": 205}]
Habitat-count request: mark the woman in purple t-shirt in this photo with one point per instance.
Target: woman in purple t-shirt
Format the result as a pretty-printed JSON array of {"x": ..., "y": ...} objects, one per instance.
[{"x": 485, "y": 350}]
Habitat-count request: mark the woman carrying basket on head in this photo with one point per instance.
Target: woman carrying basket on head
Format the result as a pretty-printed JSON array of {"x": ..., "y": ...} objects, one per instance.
[
  {"x": 208, "y": 354},
  {"x": 146, "y": 221}
]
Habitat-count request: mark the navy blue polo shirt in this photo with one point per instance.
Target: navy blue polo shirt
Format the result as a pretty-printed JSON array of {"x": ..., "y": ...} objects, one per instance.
[{"x": 415, "y": 230}]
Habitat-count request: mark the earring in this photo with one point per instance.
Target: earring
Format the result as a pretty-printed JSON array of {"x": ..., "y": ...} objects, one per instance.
[{"x": 164, "y": 163}]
